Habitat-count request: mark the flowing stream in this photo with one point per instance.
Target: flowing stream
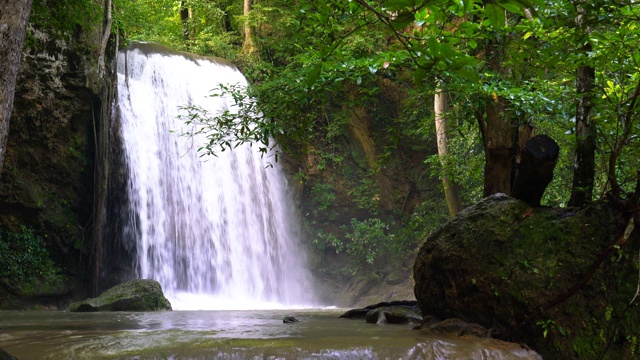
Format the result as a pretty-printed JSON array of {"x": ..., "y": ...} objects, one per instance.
[
  {"x": 231, "y": 334},
  {"x": 216, "y": 232}
]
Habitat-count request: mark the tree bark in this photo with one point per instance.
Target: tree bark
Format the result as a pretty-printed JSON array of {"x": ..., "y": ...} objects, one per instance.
[
  {"x": 247, "y": 46},
  {"x": 105, "y": 37},
  {"x": 184, "y": 18},
  {"x": 584, "y": 163},
  {"x": 14, "y": 15},
  {"x": 451, "y": 189},
  {"x": 497, "y": 132}
]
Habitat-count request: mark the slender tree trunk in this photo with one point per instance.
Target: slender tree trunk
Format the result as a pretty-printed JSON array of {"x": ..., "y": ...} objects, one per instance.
[
  {"x": 247, "y": 46},
  {"x": 105, "y": 37},
  {"x": 184, "y": 18},
  {"x": 451, "y": 189},
  {"x": 14, "y": 15},
  {"x": 497, "y": 133},
  {"x": 584, "y": 163}
]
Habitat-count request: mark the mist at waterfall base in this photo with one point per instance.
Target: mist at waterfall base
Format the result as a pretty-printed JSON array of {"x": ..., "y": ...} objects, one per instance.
[{"x": 217, "y": 232}]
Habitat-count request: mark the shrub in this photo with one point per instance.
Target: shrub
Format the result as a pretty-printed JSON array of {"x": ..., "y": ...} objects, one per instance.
[{"x": 23, "y": 257}]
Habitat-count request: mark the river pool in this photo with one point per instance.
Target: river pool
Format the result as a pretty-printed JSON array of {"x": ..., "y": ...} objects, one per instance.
[{"x": 258, "y": 334}]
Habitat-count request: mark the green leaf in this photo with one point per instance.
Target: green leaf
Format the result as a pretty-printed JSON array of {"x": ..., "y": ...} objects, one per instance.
[
  {"x": 354, "y": 6},
  {"x": 394, "y": 5},
  {"x": 515, "y": 7},
  {"x": 418, "y": 76},
  {"x": 495, "y": 14},
  {"x": 402, "y": 20},
  {"x": 314, "y": 74}
]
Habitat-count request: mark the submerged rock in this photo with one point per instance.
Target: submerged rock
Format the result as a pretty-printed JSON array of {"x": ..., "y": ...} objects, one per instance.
[
  {"x": 136, "y": 295},
  {"x": 289, "y": 320},
  {"x": 393, "y": 315},
  {"x": 362, "y": 313},
  {"x": 460, "y": 328},
  {"x": 6, "y": 356},
  {"x": 501, "y": 261},
  {"x": 393, "y": 312}
]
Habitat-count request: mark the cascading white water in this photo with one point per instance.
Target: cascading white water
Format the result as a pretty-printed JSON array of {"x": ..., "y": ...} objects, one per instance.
[{"x": 216, "y": 232}]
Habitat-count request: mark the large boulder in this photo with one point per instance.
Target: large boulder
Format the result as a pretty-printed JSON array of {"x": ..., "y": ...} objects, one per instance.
[
  {"x": 501, "y": 261},
  {"x": 136, "y": 295}
]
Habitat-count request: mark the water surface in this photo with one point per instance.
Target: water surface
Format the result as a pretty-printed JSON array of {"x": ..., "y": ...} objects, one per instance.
[{"x": 258, "y": 334}]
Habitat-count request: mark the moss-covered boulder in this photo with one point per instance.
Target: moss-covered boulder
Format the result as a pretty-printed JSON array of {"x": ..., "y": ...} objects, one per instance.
[
  {"x": 136, "y": 295},
  {"x": 501, "y": 261}
]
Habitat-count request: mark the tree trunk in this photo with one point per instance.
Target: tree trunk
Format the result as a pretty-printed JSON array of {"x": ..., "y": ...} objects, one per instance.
[
  {"x": 184, "y": 18},
  {"x": 451, "y": 189},
  {"x": 105, "y": 37},
  {"x": 584, "y": 165},
  {"x": 495, "y": 125},
  {"x": 523, "y": 135},
  {"x": 247, "y": 46},
  {"x": 14, "y": 15},
  {"x": 498, "y": 149}
]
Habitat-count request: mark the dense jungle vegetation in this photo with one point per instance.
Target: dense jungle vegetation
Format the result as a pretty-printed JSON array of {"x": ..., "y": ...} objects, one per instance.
[
  {"x": 472, "y": 74},
  {"x": 472, "y": 79}
]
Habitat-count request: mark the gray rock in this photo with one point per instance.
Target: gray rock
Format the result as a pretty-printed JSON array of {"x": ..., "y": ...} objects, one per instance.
[{"x": 136, "y": 295}]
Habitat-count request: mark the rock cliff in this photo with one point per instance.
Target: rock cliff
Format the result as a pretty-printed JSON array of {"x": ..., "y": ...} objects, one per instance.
[{"x": 47, "y": 180}]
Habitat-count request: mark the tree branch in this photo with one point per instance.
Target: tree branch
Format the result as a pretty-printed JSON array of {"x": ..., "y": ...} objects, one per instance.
[{"x": 105, "y": 39}]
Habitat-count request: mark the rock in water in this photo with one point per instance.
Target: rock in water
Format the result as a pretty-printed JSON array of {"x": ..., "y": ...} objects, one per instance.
[
  {"x": 362, "y": 313},
  {"x": 6, "y": 356},
  {"x": 136, "y": 295},
  {"x": 500, "y": 261},
  {"x": 289, "y": 320},
  {"x": 393, "y": 315}
]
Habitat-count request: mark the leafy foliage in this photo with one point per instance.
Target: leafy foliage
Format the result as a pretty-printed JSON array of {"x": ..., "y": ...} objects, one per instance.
[
  {"x": 23, "y": 258},
  {"x": 318, "y": 63},
  {"x": 65, "y": 16},
  {"x": 238, "y": 124}
]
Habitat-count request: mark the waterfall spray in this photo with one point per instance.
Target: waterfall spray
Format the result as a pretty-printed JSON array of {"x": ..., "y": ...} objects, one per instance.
[{"x": 216, "y": 232}]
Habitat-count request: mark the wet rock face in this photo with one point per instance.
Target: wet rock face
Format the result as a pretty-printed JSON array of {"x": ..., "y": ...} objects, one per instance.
[
  {"x": 47, "y": 178},
  {"x": 500, "y": 260},
  {"x": 136, "y": 295}
]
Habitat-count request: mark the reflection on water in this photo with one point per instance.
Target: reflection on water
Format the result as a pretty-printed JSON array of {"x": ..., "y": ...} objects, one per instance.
[{"x": 230, "y": 335}]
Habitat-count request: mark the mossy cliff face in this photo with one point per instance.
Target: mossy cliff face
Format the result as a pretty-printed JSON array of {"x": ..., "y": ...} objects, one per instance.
[
  {"x": 47, "y": 178},
  {"x": 499, "y": 262}
]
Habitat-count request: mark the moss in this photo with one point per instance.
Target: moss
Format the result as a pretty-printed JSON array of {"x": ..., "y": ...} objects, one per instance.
[
  {"x": 500, "y": 262},
  {"x": 136, "y": 295}
]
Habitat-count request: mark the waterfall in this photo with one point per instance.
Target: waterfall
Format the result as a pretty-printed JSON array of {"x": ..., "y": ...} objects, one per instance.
[{"x": 216, "y": 232}]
